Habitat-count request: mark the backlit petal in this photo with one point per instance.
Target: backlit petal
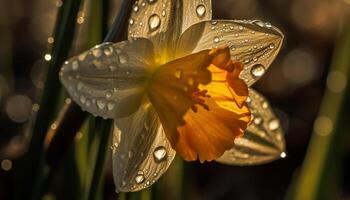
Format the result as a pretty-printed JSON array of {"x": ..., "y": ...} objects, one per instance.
[
  {"x": 141, "y": 151},
  {"x": 195, "y": 11},
  {"x": 108, "y": 80},
  {"x": 200, "y": 116},
  {"x": 253, "y": 43},
  {"x": 163, "y": 21},
  {"x": 262, "y": 142},
  {"x": 154, "y": 20}
]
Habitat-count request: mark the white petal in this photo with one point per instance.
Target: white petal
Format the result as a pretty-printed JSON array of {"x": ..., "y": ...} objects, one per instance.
[
  {"x": 263, "y": 140},
  {"x": 141, "y": 151},
  {"x": 254, "y": 43},
  {"x": 153, "y": 19},
  {"x": 109, "y": 80},
  {"x": 163, "y": 21},
  {"x": 195, "y": 11}
]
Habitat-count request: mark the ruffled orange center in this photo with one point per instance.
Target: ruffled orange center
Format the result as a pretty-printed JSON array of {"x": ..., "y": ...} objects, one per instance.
[{"x": 201, "y": 103}]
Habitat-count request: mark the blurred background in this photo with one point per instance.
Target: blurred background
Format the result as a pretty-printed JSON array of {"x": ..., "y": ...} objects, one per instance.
[{"x": 297, "y": 85}]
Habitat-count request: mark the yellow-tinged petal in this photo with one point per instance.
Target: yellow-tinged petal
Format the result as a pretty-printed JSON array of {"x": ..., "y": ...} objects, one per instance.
[
  {"x": 201, "y": 103},
  {"x": 254, "y": 43}
]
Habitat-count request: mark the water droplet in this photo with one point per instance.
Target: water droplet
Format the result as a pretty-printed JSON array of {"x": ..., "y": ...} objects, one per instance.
[
  {"x": 258, "y": 71},
  {"x": 108, "y": 95},
  {"x": 274, "y": 124},
  {"x": 82, "y": 99},
  {"x": 80, "y": 86},
  {"x": 268, "y": 25},
  {"x": 214, "y": 22},
  {"x": 258, "y": 120},
  {"x": 112, "y": 68},
  {"x": 160, "y": 154},
  {"x": 100, "y": 104},
  {"x": 272, "y": 46},
  {"x": 283, "y": 155},
  {"x": 135, "y": 8},
  {"x": 259, "y": 23},
  {"x": 249, "y": 100},
  {"x": 139, "y": 178},
  {"x": 108, "y": 51},
  {"x": 264, "y": 105},
  {"x": 110, "y": 105},
  {"x": 82, "y": 56},
  {"x": 96, "y": 52},
  {"x": 123, "y": 58},
  {"x": 163, "y": 13},
  {"x": 178, "y": 73},
  {"x": 75, "y": 65},
  {"x": 131, "y": 21},
  {"x": 200, "y": 10},
  {"x": 216, "y": 39},
  {"x": 151, "y": 1},
  {"x": 240, "y": 28},
  {"x": 232, "y": 47},
  {"x": 154, "y": 22}
]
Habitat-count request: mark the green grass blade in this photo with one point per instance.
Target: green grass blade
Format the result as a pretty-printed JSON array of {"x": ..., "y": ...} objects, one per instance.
[
  {"x": 318, "y": 177},
  {"x": 34, "y": 163}
]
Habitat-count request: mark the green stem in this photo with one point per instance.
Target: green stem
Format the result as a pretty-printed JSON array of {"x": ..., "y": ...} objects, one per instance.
[
  {"x": 34, "y": 163},
  {"x": 319, "y": 172}
]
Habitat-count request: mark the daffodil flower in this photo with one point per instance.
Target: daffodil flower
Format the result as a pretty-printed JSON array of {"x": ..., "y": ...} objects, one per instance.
[{"x": 180, "y": 85}]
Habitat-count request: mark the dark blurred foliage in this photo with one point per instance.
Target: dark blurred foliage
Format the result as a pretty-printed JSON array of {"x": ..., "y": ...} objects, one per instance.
[{"x": 294, "y": 85}]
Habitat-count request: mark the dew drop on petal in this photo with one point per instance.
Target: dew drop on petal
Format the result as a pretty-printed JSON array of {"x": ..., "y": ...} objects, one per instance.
[
  {"x": 96, "y": 52},
  {"x": 151, "y": 1},
  {"x": 108, "y": 95},
  {"x": 112, "y": 68},
  {"x": 75, "y": 65},
  {"x": 139, "y": 178},
  {"x": 272, "y": 46},
  {"x": 274, "y": 124},
  {"x": 216, "y": 39},
  {"x": 131, "y": 21},
  {"x": 80, "y": 86},
  {"x": 110, "y": 106},
  {"x": 154, "y": 22},
  {"x": 258, "y": 71},
  {"x": 108, "y": 51},
  {"x": 159, "y": 154},
  {"x": 258, "y": 120},
  {"x": 100, "y": 104},
  {"x": 259, "y": 23},
  {"x": 268, "y": 25},
  {"x": 283, "y": 155},
  {"x": 200, "y": 10},
  {"x": 82, "y": 99},
  {"x": 123, "y": 58},
  {"x": 135, "y": 8}
]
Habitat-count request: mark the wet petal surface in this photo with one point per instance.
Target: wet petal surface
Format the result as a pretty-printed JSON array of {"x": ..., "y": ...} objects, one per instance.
[
  {"x": 263, "y": 140},
  {"x": 141, "y": 151},
  {"x": 253, "y": 43},
  {"x": 108, "y": 80}
]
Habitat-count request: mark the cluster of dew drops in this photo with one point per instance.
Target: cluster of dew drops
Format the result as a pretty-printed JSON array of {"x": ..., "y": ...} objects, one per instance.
[
  {"x": 257, "y": 70},
  {"x": 154, "y": 21},
  {"x": 159, "y": 155}
]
